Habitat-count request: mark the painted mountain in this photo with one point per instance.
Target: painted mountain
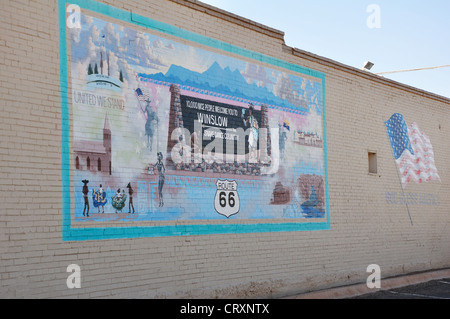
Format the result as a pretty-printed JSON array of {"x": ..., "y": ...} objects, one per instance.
[{"x": 232, "y": 83}]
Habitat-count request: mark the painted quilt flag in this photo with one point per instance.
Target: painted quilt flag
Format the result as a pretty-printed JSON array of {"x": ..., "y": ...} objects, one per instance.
[{"x": 413, "y": 151}]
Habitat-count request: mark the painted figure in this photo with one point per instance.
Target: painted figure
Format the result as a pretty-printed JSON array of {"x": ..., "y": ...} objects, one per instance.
[
  {"x": 150, "y": 125},
  {"x": 130, "y": 201},
  {"x": 253, "y": 137},
  {"x": 99, "y": 198},
  {"x": 85, "y": 196},
  {"x": 161, "y": 170},
  {"x": 118, "y": 200}
]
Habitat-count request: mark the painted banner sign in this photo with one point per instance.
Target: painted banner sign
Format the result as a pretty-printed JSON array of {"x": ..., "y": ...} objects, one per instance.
[{"x": 223, "y": 120}]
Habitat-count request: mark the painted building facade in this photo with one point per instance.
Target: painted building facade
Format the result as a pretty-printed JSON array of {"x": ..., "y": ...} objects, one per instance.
[{"x": 208, "y": 163}]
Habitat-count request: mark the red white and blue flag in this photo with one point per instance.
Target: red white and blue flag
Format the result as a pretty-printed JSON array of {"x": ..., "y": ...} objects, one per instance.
[
  {"x": 413, "y": 151},
  {"x": 140, "y": 95}
]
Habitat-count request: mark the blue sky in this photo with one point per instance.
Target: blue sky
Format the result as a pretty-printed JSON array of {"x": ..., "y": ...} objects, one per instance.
[{"x": 412, "y": 34}]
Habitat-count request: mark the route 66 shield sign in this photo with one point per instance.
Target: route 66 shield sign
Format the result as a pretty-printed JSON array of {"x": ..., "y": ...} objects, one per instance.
[{"x": 226, "y": 201}]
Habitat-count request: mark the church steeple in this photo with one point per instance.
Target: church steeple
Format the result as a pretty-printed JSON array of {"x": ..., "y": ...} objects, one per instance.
[
  {"x": 107, "y": 135},
  {"x": 106, "y": 125}
]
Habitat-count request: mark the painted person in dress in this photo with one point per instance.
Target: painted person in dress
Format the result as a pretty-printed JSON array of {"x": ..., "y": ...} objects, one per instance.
[
  {"x": 99, "y": 198},
  {"x": 118, "y": 200},
  {"x": 161, "y": 171},
  {"x": 130, "y": 201}
]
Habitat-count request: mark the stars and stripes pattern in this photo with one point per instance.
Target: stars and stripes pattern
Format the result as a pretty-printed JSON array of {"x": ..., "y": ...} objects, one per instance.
[
  {"x": 142, "y": 98},
  {"x": 413, "y": 151},
  {"x": 140, "y": 95}
]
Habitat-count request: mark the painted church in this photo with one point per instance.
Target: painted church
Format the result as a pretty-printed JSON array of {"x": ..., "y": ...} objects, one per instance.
[{"x": 94, "y": 156}]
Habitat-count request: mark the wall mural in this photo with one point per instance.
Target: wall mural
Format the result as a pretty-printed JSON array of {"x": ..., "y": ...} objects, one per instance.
[{"x": 166, "y": 131}]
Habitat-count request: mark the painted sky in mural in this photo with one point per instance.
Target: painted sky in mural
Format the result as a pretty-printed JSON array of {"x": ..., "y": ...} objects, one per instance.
[{"x": 138, "y": 154}]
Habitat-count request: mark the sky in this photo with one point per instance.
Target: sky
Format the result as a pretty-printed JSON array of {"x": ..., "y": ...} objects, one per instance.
[{"x": 394, "y": 35}]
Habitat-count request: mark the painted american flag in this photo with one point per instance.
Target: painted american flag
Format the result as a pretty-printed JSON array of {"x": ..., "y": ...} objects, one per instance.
[
  {"x": 413, "y": 151},
  {"x": 142, "y": 97}
]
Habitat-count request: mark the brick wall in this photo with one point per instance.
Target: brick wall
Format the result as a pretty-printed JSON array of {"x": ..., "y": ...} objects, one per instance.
[{"x": 368, "y": 221}]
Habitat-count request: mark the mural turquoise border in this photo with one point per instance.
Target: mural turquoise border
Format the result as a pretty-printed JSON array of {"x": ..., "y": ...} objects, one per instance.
[{"x": 100, "y": 233}]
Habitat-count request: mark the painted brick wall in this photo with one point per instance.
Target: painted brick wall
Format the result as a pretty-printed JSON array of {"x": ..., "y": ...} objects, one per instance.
[{"x": 368, "y": 221}]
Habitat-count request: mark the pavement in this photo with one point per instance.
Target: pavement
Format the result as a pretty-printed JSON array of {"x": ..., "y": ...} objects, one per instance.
[
  {"x": 422, "y": 285},
  {"x": 434, "y": 289}
]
